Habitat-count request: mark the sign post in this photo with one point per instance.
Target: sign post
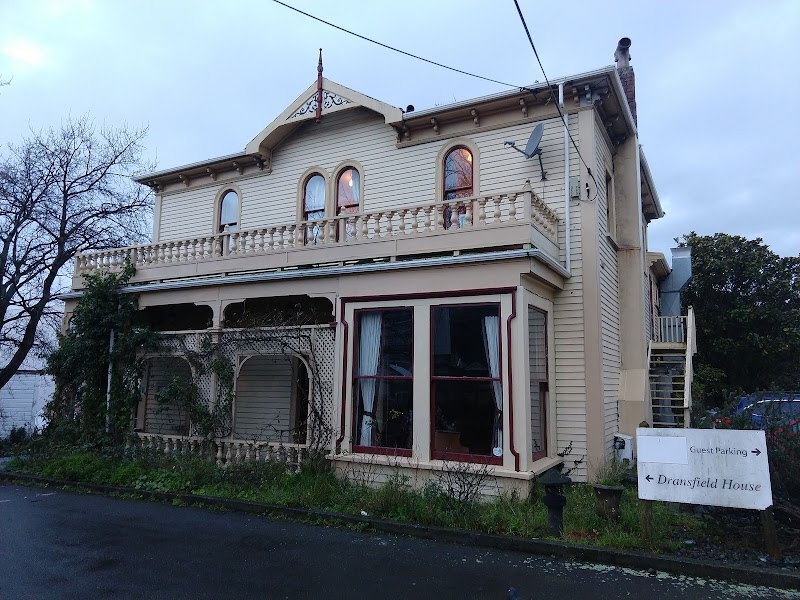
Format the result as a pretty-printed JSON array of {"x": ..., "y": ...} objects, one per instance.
[{"x": 714, "y": 467}]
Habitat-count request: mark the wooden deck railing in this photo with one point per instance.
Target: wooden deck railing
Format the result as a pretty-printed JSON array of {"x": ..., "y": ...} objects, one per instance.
[
  {"x": 670, "y": 330},
  {"x": 460, "y": 215}
]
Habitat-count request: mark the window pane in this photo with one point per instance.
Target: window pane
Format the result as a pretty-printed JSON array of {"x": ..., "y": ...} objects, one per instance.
[
  {"x": 537, "y": 362},
  {"x": 348, "y": 190},
  {"x": 229, "y": 210},
  {"x": 383, "y": 380},
  {"x": 466, "y": 417},
  {"x": 389, "y": 423},
  {"x": 314, "y": 195},
  {"x": 458, "y": 174},
  {"x": 459, "y": 340}
]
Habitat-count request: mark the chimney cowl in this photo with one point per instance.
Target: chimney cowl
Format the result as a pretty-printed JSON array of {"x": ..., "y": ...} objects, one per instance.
[{"x": 622, "y": 55}]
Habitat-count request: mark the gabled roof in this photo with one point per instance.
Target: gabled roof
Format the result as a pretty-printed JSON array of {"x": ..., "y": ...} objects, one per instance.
[{"x": 335, "y": 98}]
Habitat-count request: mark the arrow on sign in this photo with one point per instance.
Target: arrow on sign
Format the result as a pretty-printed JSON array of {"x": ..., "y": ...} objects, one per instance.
[
  {"x": 649, "y": 478},
  {"x": 757, "y": 452}
]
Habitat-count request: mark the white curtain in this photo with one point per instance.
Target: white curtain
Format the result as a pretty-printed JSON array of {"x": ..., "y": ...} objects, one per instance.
[
  {"x": 368, "y": 355},
  {"x": 491, "y": 344}
]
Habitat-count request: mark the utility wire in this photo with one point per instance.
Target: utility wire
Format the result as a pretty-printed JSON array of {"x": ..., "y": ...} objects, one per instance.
[
  {"x": 555, "y": 100},
  {"x": 427, "y": 60}
]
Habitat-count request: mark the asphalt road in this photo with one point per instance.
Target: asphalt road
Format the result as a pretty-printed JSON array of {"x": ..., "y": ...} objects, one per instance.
[{"x": 55, "y": 544}]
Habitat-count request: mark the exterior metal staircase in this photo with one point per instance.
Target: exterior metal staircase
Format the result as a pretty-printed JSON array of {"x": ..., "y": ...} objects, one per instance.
[{"x": 670, "y": 370}]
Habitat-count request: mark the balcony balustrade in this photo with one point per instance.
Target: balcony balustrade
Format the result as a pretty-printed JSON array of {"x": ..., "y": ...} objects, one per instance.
[{"x": 493, "y": 221}]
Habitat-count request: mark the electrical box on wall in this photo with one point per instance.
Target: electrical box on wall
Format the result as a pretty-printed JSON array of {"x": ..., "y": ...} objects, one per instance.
[
  {"x": 623, "y": 447},
  {"x": 574, "y": 186}
]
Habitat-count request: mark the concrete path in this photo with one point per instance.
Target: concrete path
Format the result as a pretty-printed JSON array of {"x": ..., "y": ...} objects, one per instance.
[{"x": 55, "y": 544}]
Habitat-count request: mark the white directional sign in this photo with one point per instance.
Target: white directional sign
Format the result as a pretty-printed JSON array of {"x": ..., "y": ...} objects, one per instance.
[{"x": 716, "y": 467}]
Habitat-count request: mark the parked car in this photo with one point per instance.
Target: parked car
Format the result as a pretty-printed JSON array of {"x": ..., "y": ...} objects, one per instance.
[{"x": 775, "y": 411}]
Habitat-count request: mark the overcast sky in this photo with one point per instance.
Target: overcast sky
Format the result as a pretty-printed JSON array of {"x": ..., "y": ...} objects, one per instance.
[{"x": 717, "y": 81}]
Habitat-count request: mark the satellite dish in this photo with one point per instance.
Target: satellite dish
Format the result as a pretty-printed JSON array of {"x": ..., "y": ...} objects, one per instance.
[{"x": 532, "y": 147}]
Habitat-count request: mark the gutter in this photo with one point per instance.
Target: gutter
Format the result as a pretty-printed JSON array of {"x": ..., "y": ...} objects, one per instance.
[
  {"x": 438, "y": 261},
  {"x": 500, "y": 95}
]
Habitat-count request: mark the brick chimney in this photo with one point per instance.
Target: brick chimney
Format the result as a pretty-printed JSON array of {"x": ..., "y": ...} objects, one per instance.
[{"x": 622, "y": 57}]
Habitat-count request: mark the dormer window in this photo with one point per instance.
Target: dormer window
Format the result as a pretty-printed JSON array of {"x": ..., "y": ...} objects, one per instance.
[{"x": 229, "y": 212}]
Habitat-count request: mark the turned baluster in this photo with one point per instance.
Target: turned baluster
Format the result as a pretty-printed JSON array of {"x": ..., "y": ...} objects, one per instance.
[
  {"x": 497, "y": 200},
  {"x": 401, "y": 221},
  {"x": 468, "y": 216},
  {"x": 219, "y": 452},
  {"x": 281, "y": 454},
  {"x": 293, "y": 458},
  {"x": 228, "y": 453},
  {"x": 262, "y": 233},
  {"x": 454, "y": 208},
  {"x": 363, "y": 228},
  {"x": 512, "y": 207},
  {"x": 440, "y": 216}
]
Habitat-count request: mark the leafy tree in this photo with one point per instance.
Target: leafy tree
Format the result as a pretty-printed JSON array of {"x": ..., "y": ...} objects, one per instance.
[
  {"x": 747, "y": 304},
  {"x": 80, "y": 363},
  {"x": 61, "y": 190}
]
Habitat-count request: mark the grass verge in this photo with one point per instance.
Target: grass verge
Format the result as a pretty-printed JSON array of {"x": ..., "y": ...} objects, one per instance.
[{"x": 318, "y": 488}]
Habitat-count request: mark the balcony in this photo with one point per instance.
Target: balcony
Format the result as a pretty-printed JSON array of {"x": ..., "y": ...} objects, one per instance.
[{"x": 505, "y": 220}]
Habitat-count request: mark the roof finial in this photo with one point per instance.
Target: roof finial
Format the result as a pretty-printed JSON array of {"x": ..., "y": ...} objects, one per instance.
[{"x": 319, "y": 87}]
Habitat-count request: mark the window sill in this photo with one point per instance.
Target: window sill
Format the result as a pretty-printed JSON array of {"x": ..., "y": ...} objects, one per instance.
[{"x": 538, "y": 467}]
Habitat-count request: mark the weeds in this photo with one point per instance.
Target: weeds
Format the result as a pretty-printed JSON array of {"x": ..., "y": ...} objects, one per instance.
[{"x": 318, "y": 488}]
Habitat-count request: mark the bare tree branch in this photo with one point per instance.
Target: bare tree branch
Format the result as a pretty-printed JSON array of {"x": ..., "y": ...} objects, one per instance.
[{"x": 62, "y": 190}]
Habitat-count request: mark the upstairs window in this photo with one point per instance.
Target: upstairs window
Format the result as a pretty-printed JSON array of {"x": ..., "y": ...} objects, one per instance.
[
  {"x": 348, "y": 192},
  {"x": 229, "y": 212},
  {"x": 313, "y": 206},
  {"x": 348, "y": 197},
  {"x": 457, "y": 183},
  {"x": 457, "y": 174}
]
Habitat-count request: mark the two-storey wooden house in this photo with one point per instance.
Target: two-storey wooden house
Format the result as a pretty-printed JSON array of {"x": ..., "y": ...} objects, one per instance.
[{"x": 462, "y": 304}]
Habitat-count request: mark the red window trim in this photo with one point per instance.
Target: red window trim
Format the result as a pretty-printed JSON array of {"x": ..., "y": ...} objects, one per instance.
[
  {"x": 458, "y": 456},
  {"x": 388, "y": 450}
]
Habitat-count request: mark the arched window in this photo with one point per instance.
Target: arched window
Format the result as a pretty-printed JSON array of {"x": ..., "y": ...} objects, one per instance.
[
  {"x": 457, "y": 182},
  {"x": 348, "y": 197},
  {"x": 313, "y": 205},
  {"x": 348, "y": 191},
  {"x": 229, "y": 212},
  {"x": 457, "y": 174}
]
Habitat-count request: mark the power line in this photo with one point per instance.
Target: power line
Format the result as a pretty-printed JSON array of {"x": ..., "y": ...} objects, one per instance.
[
  {"x": 555, "y": 100},
  {"x": 392, "y": 48}
]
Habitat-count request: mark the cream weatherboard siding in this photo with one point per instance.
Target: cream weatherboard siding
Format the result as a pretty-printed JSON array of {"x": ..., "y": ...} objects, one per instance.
[
  {"x": 262, "y": 411},
  {"x": 392, "y": 176},
  {"x": 160, "y": 373},
  {"x": 609, "y": 299},
  {"x": 568, "y": 328}
]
